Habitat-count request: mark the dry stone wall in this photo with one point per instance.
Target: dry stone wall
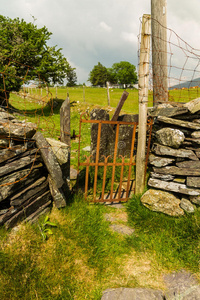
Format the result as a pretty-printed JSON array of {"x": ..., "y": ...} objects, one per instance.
[
  {"x": 31, "y": 177},
  {"x": 174, "y": 158}
]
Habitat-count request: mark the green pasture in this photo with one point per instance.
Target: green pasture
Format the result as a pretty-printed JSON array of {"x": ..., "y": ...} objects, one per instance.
[{"x": 43, "y": 107}]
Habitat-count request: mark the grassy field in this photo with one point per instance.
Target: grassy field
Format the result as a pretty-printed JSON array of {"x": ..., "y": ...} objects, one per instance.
[{"x": 83, "y": 256}]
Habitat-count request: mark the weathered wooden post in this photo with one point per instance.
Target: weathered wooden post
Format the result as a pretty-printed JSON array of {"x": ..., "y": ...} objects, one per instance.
[
  {"x": 119, "y": 106},
  {"x": 143, "y": 84},
  {"x": 83, "y": 92},
  {"x": 159, "y": 50},
  {"x": 65, "y": 135},
  {"x": 108, "y": 93},
  {"x": 56, "y": 92}
]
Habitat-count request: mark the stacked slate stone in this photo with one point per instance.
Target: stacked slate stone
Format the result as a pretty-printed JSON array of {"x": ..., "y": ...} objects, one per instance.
[
  {"x": 175, "y": 178},
  {"x": 31, "y": 179}
]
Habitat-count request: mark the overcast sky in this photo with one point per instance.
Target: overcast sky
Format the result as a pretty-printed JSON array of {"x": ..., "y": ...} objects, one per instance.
[{"x": 92, "y": 31}]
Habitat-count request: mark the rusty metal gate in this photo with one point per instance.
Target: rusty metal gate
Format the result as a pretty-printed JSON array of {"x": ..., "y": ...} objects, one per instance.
[{"x": 109, "y": 177}]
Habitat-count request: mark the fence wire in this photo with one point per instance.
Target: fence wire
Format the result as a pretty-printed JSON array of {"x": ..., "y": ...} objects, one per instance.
[
  {"x": 33, "y": 102},
  {"x": 183, "y": 66},
  {"x": 21, "y": 113}
]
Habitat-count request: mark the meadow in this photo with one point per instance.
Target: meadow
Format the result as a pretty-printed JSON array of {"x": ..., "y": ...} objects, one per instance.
[{"x": 82, "y": 257}]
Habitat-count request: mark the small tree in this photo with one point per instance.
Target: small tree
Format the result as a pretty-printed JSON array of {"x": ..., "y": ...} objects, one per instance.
[
  {"x": 98, "y": 75},
  {"x": 124, "y": 72},
  {"x": 71, "y": 77},
  {"x": 24, "y": 53}
]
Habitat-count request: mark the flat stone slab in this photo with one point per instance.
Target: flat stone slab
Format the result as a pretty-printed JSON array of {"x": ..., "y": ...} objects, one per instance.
[
  {"x": 173, "y": 187},
  {"x": 182, "y": 285},
  {"x": 49, "y": 159},
  {"x": 189, "y": 164},
  {"x": 193, "y": 106},
  {"x": 172, "y": 170},
  {"x": 159, "y": 161},
  {"x": 168, "y": 151},
  {"x": 17, "y": 130},
  {"x": 132, "y": 294},
  {"x": 193, "y": 182},
  {"x": 166, "y": 177},
  {"x": 167, "y": 111},
  {"x": 123, "y": 229},
  {"x": 180, "y": 123},
  {"x": 115, "y": 205}
]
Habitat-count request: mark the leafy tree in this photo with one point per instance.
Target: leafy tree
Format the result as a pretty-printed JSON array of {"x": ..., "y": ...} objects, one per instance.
[
  {"x": 112, "y": 76},
  {"x": 71, "y": 77},
  {"x": 23, "y": 47},
  {"x": 124, "y": 73},
  {"x": 99, "y": 75}
]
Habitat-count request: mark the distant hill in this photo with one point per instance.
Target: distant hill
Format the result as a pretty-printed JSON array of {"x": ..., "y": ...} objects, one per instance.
[{"x": 186, "y": 84}]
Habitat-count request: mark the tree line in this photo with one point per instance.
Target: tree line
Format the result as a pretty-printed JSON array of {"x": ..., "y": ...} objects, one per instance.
[
  {"x": 25, "y": 56},
  {"x": 24, "y": 53},
  {"x": 122, "y": 73}
]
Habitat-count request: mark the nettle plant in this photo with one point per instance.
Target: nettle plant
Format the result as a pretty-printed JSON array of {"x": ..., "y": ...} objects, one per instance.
[{"x": 45, "y": 228}]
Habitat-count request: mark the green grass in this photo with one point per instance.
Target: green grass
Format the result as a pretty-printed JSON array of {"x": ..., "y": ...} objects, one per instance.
[
  {"x": 174, "y": 241},
  {"x": 76, "y": 262},
  {"x": 83, "y": 257}
]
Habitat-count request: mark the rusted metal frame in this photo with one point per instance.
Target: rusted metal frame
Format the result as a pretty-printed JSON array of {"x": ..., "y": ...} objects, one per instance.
[
  {"x": 150, "y": 124},
  {"x": 106, "y": 164},
  {"x": 87, "y": 176},
  {"x": 97, "y": 160},
  {"x": 79, "y": 149},
  {"x": 108, "y": 122},
  {"x": 104, "y": 177},
  {"x": 121, "y": 178},
  {"x": 131, "y": 158},
  {"x": 114, "y": 161},
  {"x": 101, "y": 164}
]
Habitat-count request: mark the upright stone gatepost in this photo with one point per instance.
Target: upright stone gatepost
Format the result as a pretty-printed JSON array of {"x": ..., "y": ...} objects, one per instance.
[{"x": 65, "y": 135}]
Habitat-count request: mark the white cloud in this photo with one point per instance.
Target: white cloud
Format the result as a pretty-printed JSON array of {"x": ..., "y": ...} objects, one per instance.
[
  {"x": 101, "y": 30},
  {"x": 104, "y": 26},
  {"x": 130, "y": 37}
]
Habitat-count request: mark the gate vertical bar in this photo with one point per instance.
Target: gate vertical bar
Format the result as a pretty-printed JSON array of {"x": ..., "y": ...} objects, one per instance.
[
  {"x": 97, "y": 159},
  {"x": 104, "y": 176},
  {"x": 121, "y": 178},
  {"x": 114, "y": 161},
  {"x": 87, "y": 177},
  {"x": 143, "y": 101}
]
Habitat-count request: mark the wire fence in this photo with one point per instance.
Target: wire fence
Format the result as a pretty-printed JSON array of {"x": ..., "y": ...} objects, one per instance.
[
  {"x": 34, "y": 101},
  {"x": 182, "y": 63}
]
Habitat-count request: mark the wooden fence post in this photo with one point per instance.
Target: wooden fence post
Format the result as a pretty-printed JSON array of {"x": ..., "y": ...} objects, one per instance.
[
  {"x": 159, "y": 50},
  {"x": 56, "y": 92},
  {"x": 65, "y": 135},
  {"x": 83, "y": 92},
  {"x": 108, "y": 93},
  {"x": 143, "y": 101}
]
